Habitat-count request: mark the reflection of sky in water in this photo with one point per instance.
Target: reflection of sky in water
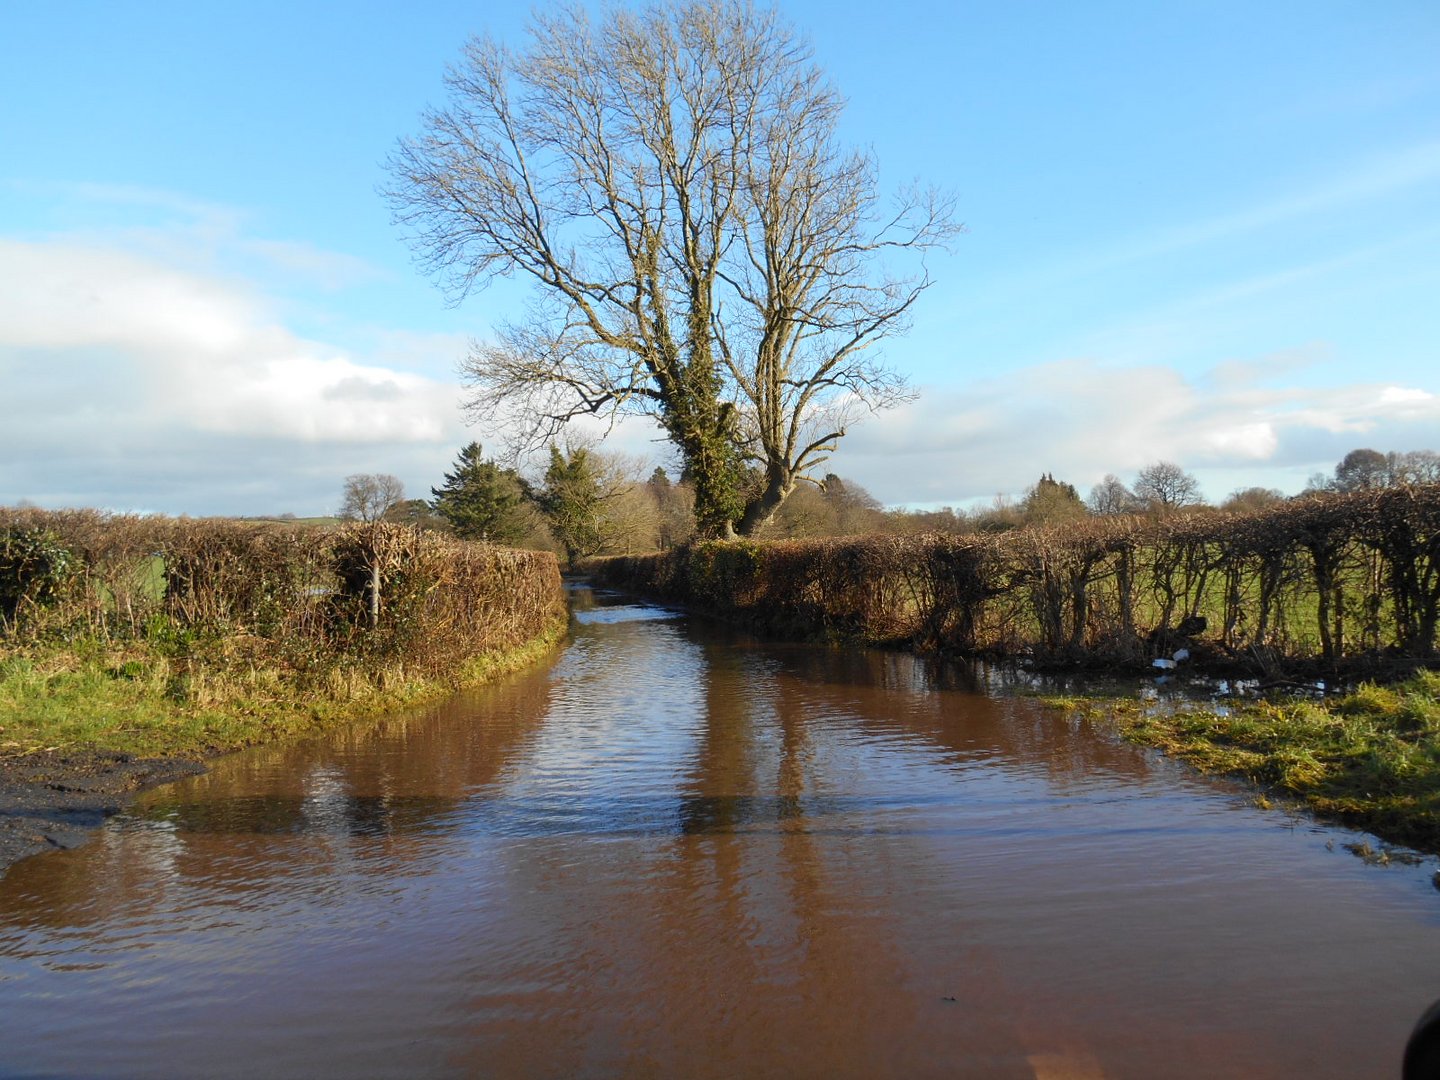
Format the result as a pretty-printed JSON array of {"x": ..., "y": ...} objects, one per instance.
[
  {"x": 625, "y": 613},
  {"x": 623, "y": 724}
]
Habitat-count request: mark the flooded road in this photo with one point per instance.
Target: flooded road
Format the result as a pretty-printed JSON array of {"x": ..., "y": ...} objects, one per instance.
[{"x": 678, "y": 852}]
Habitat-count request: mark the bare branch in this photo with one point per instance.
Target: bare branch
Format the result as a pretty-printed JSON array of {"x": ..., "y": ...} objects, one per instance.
[{"x": 705, "y": 249}]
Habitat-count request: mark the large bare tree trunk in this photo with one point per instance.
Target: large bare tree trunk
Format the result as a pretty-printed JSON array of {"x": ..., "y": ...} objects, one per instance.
[{"x": 760, "y": 510}]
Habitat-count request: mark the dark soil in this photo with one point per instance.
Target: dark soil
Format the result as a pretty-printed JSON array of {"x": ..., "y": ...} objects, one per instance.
[{"x": 53, "y": 801}]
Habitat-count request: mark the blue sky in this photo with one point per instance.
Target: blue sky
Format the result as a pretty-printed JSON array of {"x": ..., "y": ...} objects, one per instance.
[{"x": 1205, "y": 233}]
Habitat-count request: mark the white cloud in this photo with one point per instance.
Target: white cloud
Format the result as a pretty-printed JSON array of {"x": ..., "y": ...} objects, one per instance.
[
  {"x": 1254, "y": 441},
  {"x": 209, "y": 356},
  {"x": 109, "y": 355},
  {"x": 1081, "y": 419},
  {"x": 138, "y": 375},
  {"x": 57, "y": 296},
  {"x": 1405, "y": 397}
]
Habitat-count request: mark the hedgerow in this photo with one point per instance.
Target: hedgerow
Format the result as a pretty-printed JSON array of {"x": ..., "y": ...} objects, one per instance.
[
  {"x": 296, "y": 599},
  {"x": 1330, "y": 578}
]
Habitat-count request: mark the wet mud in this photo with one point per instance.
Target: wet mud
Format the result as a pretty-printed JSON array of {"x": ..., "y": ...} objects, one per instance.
[{"x": 53, "y": 801}]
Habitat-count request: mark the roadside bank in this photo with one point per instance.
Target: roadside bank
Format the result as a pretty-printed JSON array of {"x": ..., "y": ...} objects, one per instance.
[
  {"x": 133, "y": 648},
  {"x": 1369, "y": 759}
]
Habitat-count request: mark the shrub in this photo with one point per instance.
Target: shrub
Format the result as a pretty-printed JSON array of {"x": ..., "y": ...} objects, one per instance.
[{"x": 35, "y": 568}]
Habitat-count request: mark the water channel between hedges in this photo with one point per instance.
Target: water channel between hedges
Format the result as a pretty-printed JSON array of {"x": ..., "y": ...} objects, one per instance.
[{"x": 681, "y": 852}]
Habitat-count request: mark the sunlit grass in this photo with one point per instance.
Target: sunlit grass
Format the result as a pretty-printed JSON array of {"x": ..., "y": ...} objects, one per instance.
[
  {"x": 1370, "y": 758},
  {"x": 134, "y": 699}
]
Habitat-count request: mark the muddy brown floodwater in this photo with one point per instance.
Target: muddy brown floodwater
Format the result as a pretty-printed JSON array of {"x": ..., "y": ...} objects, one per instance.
[{"x": 678, "y": 852}]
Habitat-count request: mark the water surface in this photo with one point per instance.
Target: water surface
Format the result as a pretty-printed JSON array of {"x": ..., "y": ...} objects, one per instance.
[{"x": 680, "y": 852}]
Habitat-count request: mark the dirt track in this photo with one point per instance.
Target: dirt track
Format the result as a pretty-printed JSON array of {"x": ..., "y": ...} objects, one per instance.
[{"x": 51, "y": 801}]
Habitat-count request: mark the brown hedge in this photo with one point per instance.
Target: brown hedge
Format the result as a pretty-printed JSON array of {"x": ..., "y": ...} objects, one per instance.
[
  {"x": 291, "y": 596},
  {"x": 1328, "y": 577}
]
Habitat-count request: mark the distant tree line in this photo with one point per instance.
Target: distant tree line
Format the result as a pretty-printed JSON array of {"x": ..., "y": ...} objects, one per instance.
[
  {"x": 589, "y": 502},
  {"x": 1162, "y": 489}
]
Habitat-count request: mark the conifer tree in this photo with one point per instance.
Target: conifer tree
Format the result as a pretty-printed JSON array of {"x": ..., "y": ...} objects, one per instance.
[
  {"x": 571, "y": 500},
  {"x": 482, "y": 501}
]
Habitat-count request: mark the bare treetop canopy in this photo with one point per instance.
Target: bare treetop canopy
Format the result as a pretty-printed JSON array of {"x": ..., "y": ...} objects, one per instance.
[
  {"x": 705, "y": 251},
  {"x": 367, "y": 496}
]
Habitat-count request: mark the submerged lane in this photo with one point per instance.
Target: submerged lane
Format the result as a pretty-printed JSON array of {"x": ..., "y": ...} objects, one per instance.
[{"x": 679, "y": 852}]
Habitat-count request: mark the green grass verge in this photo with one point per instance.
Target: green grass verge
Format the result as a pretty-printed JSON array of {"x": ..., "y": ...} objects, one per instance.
[
  {"x": 87, "y": 697},
  {"x": 1370, "y": 758}
]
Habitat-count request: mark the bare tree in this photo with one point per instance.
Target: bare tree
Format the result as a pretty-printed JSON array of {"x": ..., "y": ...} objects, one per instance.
[
  {"x": 1111, "y": 496},
  {"x": 1366, "y": 470},
  {"x": 367, "y": 496},
  {"x": 675, "y": 509},
  {"x": 705, "y": 251},
  {"x": 1165, "y": 486},
  {"x": 1414, "y": 467}
]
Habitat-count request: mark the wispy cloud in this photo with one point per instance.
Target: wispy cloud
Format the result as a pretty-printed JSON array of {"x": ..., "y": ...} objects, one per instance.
[
  {"x": 1384, "y": 175},
  {"x": 172, "y": 205},
  {"x": 1147, "y": 331},
  {"x": 1404, "y": 170},
  {"x": 181, "y": 231},
  {"x": 330, "y": 270}
]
